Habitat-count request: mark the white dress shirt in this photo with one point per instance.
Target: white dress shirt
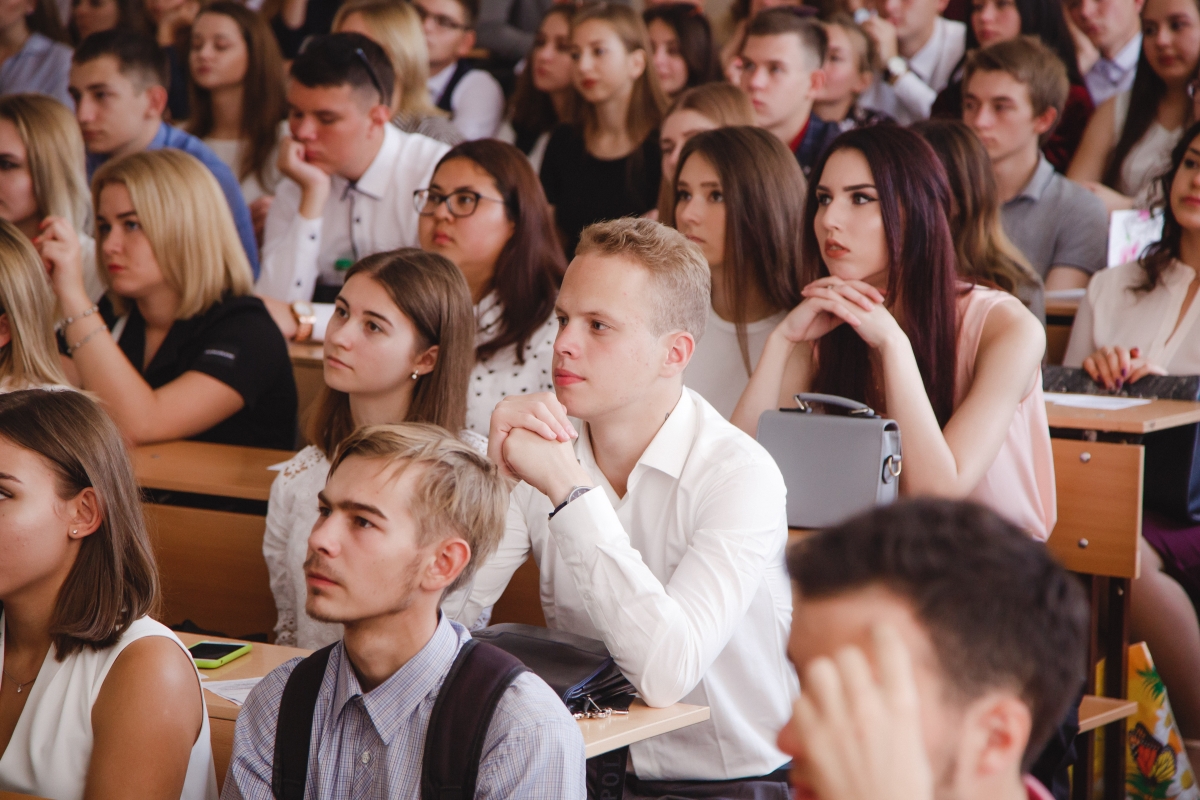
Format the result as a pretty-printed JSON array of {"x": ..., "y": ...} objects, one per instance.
[
  {"x": 1111, "y": 76},
  {"x": 477, "y": 103},
  {"x": 372, "y": 215},
  {"x": 929, "y": 71},
  {"x": 500, "y": 375},
  {"x": 683, "y": 579},
  {"x": 1112, "y": 314}
]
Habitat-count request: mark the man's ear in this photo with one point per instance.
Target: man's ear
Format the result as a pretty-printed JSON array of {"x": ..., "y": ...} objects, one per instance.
[
  {"x": 5, "y": 331},
  {"x": 466, "y": 44},
  {"x": 816, "y": 82},
  {"x": 156, "y": 97},
  {"x": 448, "y": 559},
  {"x": 680, "y": 346},
  {"x": 379, "y": 114},
  {"x": 1045, "y": 121},
  {"x": 999, "y": 724}
]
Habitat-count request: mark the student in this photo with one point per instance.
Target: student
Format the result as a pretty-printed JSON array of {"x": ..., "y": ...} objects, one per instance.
[
  {"x": 545, "y": 95},
  {"x": 964, "y": 640},
  {"x": 398, "y": 349},
  {"x": 612, "y": 148},
  {"x": 850, "y": 67},
  {"x": 1012, "y": 93},
  {"x": 349, "y": 187},
  {"x": 118, "y": 81},
  {"x": 681, "y": 46},
  {"x": 28, "y": 353},
  {"x": 485, "y": 211},
  {"x": 33, "y": 57},
  {"x": 87, "y": 671},
  {"x": 42, "y": 173},
  {"x": 237, "y": 98},
  {"x": 471, "y": 95},
  {"x": 1114, "y": 28},
  {"x": 297, "y": 21},
  {"x": 739, "y": 195},
  {"x": 408, "y": 513},
  {"x": 957, "y": 366},
  {"x": 397, "y": 28},
  {"x": 919, "y": 50},
  {"x": 996, "y": 21},
  {"x": 660, "y": 529},
  {"x": 701, "y": 108},
  {"x": 93, "y": 16},
  {"x": 507, "y": 28},
  {"x": 740, "y": 14},
  {"x": 781, "y": 72},
  {"x": 190, "y": 354},
  {"x": 1129, "y": 140},
  {"x": 984, "y": 252}
]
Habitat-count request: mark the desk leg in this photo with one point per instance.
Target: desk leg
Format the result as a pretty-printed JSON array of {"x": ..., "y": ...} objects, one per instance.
[
  {"x": 1116, "y": 682},
  {"x": 1085, "y": 744}
]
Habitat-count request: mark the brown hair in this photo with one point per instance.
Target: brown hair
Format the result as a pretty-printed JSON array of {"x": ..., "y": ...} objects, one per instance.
[
  {"x": 533, "y": 111},
  {"x": 433, "y": 294},
  {"x": 262, "y": 92},
  {"x": 458, "y": 493},
  {"x": 764, "y": 189},
  {"x": 1159, "y": 256},
  {"x": 114, "y": 580},
  {"x": 54, "y": 150},
  {"x": 397, "y": 29},
  {"x": 1026, "y": 60},
  {"x": 677, "y": 269},
  {"x": 864, "y": 46},
  {"x": 782, "y": 20},
  {"x": 529, "y": 269}
]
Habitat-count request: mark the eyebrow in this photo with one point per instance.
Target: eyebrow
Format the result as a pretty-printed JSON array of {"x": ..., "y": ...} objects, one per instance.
[
  {"x": 1193, "y": 151},
  {"x": 127, "y": 214},
  {"x": 351, "y": 505},
  {"x": 366, "y": 312},
  {"x": 4, "y": 476}
]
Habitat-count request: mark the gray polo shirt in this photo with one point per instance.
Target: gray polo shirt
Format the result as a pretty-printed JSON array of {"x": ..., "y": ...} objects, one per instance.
[{"x": 1057, "y": 223}]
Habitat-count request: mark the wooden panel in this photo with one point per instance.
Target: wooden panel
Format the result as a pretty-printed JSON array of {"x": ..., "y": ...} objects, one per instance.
[
  {"x": 212, "y": 569},
  {"x": 1095, "y": 712},
  {"x": 222, "y": 470},
  {"x": 1099, "y": 507},
  {"x": 1057, "y": 337},
  {"x": 306, "y": 353},
  {"x": 521, "y": 601},
  {"x": 221, "y": 734},
  {"x": 1154, "y": 416}
]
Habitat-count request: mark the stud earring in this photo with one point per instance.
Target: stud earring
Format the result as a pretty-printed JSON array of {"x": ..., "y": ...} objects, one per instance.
[{"x": 414, "y": 375}]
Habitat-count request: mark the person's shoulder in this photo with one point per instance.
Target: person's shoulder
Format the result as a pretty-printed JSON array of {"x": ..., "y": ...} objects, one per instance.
[
  {"x": 480, "y": 78},
  {"x": 1116, "y": 279},
  {"x": 529, "y": 702},
  {"x": 305, "y": 462},
  {"x": 243, "y": 318},
  {"x": 417, "y": 151},
  {"x": 1074, "y": 197}
]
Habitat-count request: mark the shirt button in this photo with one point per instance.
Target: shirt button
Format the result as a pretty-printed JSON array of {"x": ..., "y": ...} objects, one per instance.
[{"x": 365, "y": 757}]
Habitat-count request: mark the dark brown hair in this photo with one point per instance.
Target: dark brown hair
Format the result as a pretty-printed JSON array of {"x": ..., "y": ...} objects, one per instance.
[
  {"x": 433, "y": 294},
  {"x": 533, "y": 112},
  {"x": 262, "y": 92},
  {"x": 131, "y": 15},
  {"x": 782, "y": 20},
  {"x": 695, "y": 40},
  {"x": 114, "y": 580},
  {"x": 530, "y": 268},
  {"x": 914, "y": 200},
  {"x": 999, "y": 612},
  {"x": 1158, "y": 256},
  {"x": 764, "y": 190}
]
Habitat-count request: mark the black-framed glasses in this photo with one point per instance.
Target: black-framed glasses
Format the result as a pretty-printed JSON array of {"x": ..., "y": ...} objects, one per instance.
[
  {"x": 366, "y": 62},
  {"x": 441, "y": 20},
  {"x": 460, "y": 203}
]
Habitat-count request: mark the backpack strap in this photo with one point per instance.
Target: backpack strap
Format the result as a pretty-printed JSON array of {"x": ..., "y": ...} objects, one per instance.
[
  {"x": 293, "y": 732},
  {"x": 461, "y": 717}
]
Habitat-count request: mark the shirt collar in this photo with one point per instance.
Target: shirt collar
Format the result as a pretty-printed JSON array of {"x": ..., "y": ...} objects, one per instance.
[
  {"x": 437, "y": 83},
  {"x": 378, "y": 178},
  {"x": 1038, "y": 183},
  {"x": 392, "y": 702},
  {"x": 925, "y": 60},
  {"x": 667, "y": 452},
  {"x": 160, "y": 139},
  {"x": 1127, "y": 57}
]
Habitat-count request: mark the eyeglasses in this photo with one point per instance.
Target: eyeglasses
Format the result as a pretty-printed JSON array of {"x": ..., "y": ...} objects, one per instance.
[
  {"x": 460, "y": 203},
  {"x": 441, "y": 20},
  {"x": 366, "y": 62}
]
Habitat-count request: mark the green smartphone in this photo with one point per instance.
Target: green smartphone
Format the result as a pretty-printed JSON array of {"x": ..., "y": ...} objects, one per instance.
[{"x": 210, "y": 655}]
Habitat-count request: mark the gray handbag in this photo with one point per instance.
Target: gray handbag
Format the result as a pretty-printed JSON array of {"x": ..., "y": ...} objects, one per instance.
[{"x": 834, "y": 464}]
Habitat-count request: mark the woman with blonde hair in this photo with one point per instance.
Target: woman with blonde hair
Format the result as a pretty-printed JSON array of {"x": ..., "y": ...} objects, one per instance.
[
  {"x": 397, "y": 29},
  {"x": 28, "y": 353},
  {"x": 179, "y": 348},
  {"x": 613, "y": 148}
]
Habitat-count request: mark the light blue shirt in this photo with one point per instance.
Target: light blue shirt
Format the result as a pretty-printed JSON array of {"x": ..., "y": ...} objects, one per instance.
[{"x": 41, "y": 66}]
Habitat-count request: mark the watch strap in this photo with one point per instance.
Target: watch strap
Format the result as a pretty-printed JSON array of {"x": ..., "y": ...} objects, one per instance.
[{"x": 576, "y": 492}]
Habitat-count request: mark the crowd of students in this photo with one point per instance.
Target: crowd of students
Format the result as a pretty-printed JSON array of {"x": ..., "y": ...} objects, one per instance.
[{"x": 550, "y": 323}]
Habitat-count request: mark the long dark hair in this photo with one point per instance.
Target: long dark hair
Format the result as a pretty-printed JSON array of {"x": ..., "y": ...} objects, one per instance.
[
  {"x": 1158, "y": 256},
  {"x": 914, "y": 199},
  {"x": 695, "y": 40},
  {"x": 533, "y": 112},
  {"x": 763, "y": 187},
  {"x": 131, "y": 16},
  {"x": 262, "y": 91},
  {"x": 531, "y": 265},
  {"x": 1045, "y": 20}
]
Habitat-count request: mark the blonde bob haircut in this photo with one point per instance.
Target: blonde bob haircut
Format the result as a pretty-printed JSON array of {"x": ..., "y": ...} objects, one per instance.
[
  {"x": 186, "y": 218},
  {"x": 54, "y": 154},
  {"x": 30, "y": 359},
  {"x": 396, "y": 28}
]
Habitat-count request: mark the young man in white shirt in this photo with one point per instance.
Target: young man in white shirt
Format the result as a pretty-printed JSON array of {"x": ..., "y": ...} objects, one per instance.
[
  {"x": 1115, "y": 28},
  {"x": 349, "y": 178},
  {"x": 919, "y": 49},
  {"x": 471, "y": 95},
  {"x": 661, "y": 529}
]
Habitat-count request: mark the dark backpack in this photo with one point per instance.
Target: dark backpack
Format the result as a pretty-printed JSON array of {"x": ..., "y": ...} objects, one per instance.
[{"x": 458, "y": 723}]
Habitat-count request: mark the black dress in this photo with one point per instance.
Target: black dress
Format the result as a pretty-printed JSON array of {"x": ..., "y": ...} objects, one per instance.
[{"x": 584, "y": 189}]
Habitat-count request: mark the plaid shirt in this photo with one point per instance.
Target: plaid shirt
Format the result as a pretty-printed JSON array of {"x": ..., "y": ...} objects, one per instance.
[{"x": 370, "y": 746}]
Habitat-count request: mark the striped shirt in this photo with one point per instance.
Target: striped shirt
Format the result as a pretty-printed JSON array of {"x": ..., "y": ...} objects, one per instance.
[{"x": 371, "y": 746}]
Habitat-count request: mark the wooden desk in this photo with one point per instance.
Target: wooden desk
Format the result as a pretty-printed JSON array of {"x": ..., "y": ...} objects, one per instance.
[
  {"x": 15, "y": 796},
  {"x": 309, "y": 372},
  {"x": 1060, "y": 316},
  {"x": 220, "y": 470},
  {"x": 1157, "y": 415}
]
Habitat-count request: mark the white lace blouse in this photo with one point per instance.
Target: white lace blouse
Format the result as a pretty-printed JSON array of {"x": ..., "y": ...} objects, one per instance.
[
  {"x": 291, "y": 514},
  {"x": 500, "y": 375}
]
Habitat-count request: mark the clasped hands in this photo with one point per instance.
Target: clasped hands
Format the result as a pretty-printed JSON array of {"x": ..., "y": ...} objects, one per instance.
[
  {"x": 829, "y": 302},
  {"x": 531, "y": 439},
  {"x": 1113, "y": 367}
]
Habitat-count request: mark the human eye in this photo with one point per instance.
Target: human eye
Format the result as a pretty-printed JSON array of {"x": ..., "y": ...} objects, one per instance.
[
  {"x": 682, "y": 195},
  {"x": 327, "y": 119},
  {"x": 716, "y": 196},
  {"x": 463, "y": 203},
  {"x": 824, "y": 198},
  {"x": 562, "y": 320},
  {"x": 340, "y": 312},
  {"x": 776, "y": 69},
  {"x": 598, "y": 326},
  {"x": 363, "y": 522},
  {"x": 1190, "y": 163},
  {"x": 104, "y": 228},
  {"x": 575, "y": 54},
  {"x": 374, "y": 327},
  {"x": 7, "y": 164},
  {"x": 539, "y": 41},
  {"x": 132, "y": 226},
  {"x": 861, "y": 198},
  {"x": 324, "y": 510}
]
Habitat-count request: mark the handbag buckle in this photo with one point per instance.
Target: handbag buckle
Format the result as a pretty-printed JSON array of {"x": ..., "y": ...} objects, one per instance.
[{"x": 893, "y": 465}]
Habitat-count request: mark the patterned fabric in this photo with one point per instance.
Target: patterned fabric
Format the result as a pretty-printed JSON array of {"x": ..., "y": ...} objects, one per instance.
[
  {"x": 370, "y": 746},
  {"x": 500, "y": 375}
]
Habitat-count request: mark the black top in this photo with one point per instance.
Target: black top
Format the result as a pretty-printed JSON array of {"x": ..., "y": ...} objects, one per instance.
[
  {"x": 318, "y": 20},
  {"x": 236, "y": 342},
  {"x": 584, "y": 189}
]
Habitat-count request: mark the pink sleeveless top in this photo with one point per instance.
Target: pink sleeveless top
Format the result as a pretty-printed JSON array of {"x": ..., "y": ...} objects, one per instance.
[{"x": 1020, "y": 483}]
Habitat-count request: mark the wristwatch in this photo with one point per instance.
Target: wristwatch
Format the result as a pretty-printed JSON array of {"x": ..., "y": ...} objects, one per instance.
[
  {"x": 895, "y": 69},
  {"x": 306, "y": 317},
  {"x": 576, "y": 492}
]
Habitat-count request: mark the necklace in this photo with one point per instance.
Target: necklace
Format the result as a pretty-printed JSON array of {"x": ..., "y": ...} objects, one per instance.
[{"x": 20, "y": 685}]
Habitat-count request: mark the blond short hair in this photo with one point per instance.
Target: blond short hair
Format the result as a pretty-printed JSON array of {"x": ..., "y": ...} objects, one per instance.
[
  {"x": 678, "y": 270},
  {"x": 187, "y": 219},
  {"x": 458, "y": 493},
  {"x": 30, "y": 359},
  {"x": 54, "y": 152}
]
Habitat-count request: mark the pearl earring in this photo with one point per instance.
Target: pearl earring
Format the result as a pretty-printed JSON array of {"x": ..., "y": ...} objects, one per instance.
[{"x": 414, "y": 375}]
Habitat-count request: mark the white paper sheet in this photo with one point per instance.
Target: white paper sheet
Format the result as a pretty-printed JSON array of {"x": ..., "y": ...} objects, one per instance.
[
  {"x": 1130, "y": 232},
  {"x": 1095, "y": 402},
  {"x": 233, "y": 691}
]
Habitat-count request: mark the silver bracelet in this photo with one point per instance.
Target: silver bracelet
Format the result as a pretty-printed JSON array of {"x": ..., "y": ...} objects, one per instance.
[
  {"x": 71, "y": 350},
  {"x": 62, "y": 326}
]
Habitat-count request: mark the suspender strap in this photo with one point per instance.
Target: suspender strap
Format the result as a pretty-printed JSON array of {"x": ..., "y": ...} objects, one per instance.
[
  {"x": 293, "y": 732},
  {"x": 463, "y": 66},
  {"x": 461, "y": 717}
]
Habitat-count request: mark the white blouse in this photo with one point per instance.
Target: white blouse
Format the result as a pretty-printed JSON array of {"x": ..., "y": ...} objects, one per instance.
[
  {"x": 51, "y": 747},
  {"x": 231, "y": 151},
  {"x": 500, "y": 375},
  {"x": 291, "y": 514},
  {"x": 717, "y": 370},
  {"x": 1112, "y": 314}
]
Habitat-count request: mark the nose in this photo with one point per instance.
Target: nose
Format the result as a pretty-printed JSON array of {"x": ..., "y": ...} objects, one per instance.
[
  {"x": 338, "y": 333},
  {"x": 987, "y": 13},
  {"x": 566, "y": 343},
  {"x": 112, "y": 244},
  {"x": 303, "y": 128},
  {"x": 891, "y": 10},
  {"x": 754, "y": 77},
  {"x": 324, "y": 537},
  {"x": 84, "y": 109},
  {"x": 442, "y": 213},
  {"x": 686, "y": 211}
]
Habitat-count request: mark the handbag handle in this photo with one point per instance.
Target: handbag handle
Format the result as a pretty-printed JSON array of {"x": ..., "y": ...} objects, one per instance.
[{"x": 854, "y": 408}]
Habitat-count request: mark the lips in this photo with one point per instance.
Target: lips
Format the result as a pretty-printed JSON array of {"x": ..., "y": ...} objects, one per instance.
[
  {"x": 564, "y": 377},
  {"x": 441, "y": 237},
  {"x": 336, "y": 363},
  {"x": 588, "y": 83},
  {"x": 835, "y": 249},
  {"x": 318, "y": 581},
  {"x": 1191, "y": 200}
]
